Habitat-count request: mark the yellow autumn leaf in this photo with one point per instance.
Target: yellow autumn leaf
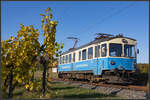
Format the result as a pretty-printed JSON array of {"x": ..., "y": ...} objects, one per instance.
[
  {"x": 52, "y": 22},
  {"x": 11, "y": 38},
  {"x": 17, "y": 63},
  {"x": 25, "y": 28},
  {"x": 23, "y": 38},
  {"x": 17, "y": 43},
  {"x": 42, "y": 20},
  {"x": 31, "y": 88},
  {"x": 26, "y": 86},
  {"x": 19, "y": 80},
  {"x": 37, "y": 88},
  {"x": 50, "y": 16},
  {"x": 36, "y": 53},
  {"x": 6, "y": 63}
]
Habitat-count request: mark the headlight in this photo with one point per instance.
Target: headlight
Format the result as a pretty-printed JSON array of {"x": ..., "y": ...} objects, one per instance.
[{"x": 112, "y": 62}]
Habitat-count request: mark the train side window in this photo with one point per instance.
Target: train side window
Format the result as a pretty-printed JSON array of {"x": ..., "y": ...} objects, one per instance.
[
  {"x": 103, "y": 50},
  {"x": 129, "y": 50},
  {"x": 90, "y": 53},
  {"x": 79, "y": 55},
  {"x": 97, "y": 51},
  {"x": 74, "y": 57},
  {"x": 60, "y": 60},
  {"x": 84, "y": 54},
  {"x": 66, "y": 59},
  {"x": 63, "y": 60},
  {"x": 70, "y": 56}
]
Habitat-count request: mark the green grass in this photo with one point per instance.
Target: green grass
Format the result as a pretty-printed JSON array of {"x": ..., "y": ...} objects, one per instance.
[
  {"x": 64, "y": 91},
  {"x": 60, "y": 90}
]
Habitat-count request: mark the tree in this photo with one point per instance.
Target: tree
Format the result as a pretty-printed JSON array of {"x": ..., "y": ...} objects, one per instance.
[
  {"x": 49, "y": 47},
  {"x": 19, "y": 54}
]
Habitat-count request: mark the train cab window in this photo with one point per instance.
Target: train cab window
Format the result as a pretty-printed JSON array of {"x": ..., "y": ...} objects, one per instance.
[
  {"x": 70, "y": 57},
  {"x": 115, "y": 50},
  {"x": 129, "y": 50},
  {"x": 84, "y": 54},
  {"x": 63, "y": 60},
  {"x": 79, "y": 55},
  {"x": 74, "y": 57},
  {"x": 90, "y": 53},
  {"x": 103, "y": 50},
  {"x": 97, "y": 51}
]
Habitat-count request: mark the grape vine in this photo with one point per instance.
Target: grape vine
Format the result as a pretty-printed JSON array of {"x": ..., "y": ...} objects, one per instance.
[{"x": 19, "y": 55}]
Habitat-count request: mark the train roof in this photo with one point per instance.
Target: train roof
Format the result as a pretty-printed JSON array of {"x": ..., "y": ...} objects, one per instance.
[{"x": 96, "y": 41}]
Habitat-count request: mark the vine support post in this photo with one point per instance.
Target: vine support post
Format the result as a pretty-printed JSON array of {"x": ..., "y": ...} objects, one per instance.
[
  {"x": 44, "y": 76},
  {"x": 10, "y": 89}
]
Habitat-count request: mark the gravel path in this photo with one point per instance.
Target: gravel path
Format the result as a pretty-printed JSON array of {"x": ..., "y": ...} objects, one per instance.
[{"x": 125, "y": 93}]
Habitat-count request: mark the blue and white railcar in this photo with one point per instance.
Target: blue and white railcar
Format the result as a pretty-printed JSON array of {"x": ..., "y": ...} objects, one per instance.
[{"x": 98, "y": 56}]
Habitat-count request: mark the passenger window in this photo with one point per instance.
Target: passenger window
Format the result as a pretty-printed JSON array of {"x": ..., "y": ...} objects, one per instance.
[
  {"x": 84, "y": 54},
  {"x": 60, "y": 60},
  {"x": 66, "y": 58},
  {"x": 129, "y": 50},
  {"x": 97, "y": 51},
  {"x": 90, "y": 53},
  {"x": 79, "y": 55},
  {"x": 70, "y": 56},
  {"x": 103, "y": 50},
  {"x": 74, "y": 57},
  {"x": 63, "y": 59}
]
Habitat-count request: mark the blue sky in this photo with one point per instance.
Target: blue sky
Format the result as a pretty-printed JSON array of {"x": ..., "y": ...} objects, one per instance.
[{"x": 82, "y": 19}]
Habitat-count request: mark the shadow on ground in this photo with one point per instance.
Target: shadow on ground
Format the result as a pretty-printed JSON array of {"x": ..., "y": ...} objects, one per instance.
[
  {"x": 61, "y": 88},
  {"x": 91, "y": 95},
  {"x": 19, "y": 92},
  {"x": 74, "y": 92}
]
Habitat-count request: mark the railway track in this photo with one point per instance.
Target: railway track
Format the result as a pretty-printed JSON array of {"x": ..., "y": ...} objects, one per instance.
[{"x": 124, "y": 86}]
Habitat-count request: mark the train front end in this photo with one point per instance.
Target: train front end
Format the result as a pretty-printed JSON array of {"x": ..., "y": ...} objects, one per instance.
[{"x": 121, "y": 58}]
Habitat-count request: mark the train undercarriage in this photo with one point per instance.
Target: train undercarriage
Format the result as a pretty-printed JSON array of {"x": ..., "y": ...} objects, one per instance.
[{"x": 113, "y": 76}]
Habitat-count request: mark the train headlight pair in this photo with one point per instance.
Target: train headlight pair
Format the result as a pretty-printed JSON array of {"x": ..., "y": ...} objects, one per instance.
[{"x": 112, "y": 62}]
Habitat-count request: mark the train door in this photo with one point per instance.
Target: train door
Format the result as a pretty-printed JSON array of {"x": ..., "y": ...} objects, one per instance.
[
  {"x": 97, "y": 63},
  {"x": 103, "y": 59},
  {"x": 70, "y": 61},
  {"x": 73, "y": 61},
  {"x": 71, "y": 66}
]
